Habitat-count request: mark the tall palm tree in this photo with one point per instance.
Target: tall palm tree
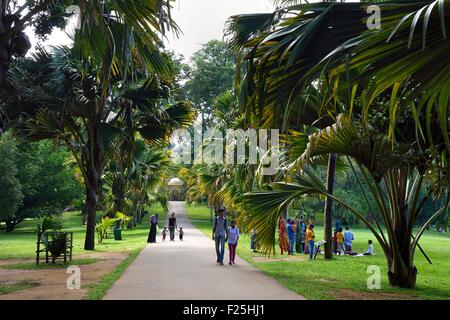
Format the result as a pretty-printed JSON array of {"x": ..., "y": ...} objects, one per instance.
[{"x": 303, "y": 44}]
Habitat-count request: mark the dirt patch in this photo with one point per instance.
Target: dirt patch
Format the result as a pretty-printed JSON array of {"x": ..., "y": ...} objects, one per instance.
[
  {"x": 347, "y": 294},
  {"x": 263, "y": 259},
  {"x": 51, "y": 283}
]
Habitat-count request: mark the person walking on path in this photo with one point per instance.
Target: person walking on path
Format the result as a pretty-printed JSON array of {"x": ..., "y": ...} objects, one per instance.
[
  {"x": 310, "y": 236},
  {"x": 172, "y": 226},
  {"x": 233, "y": 238},
  {"x": 220, "y": 235},
  {"x": 152, "y": 233},
  {"x": 282, "y": 235},
  {"x": 348, "y": 238}
]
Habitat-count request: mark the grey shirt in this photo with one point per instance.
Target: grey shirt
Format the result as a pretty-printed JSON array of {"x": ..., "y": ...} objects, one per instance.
[{"x": 220, "y": 226}]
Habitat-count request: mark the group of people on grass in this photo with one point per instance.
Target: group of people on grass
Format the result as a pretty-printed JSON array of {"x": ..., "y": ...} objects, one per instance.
[
  {"x": 172, "y": 228},
  {"x": 296, "y": 236}
]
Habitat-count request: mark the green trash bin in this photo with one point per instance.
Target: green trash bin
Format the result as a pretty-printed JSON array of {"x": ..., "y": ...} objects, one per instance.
[{"x": 117, "y": 233}]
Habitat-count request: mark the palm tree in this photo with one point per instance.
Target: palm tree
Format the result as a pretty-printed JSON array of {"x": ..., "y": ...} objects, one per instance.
[
  {"x": 304, "y": 44},
  {"x": 116, "y": 38},
  {"x": 66, "y": 105}
]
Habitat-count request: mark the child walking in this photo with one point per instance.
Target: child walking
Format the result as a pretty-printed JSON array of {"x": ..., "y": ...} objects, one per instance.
[
  {"x": 233, "y": 237},
  {"x": 164, "y": 234},
  {"x": 181, "y": 232}
]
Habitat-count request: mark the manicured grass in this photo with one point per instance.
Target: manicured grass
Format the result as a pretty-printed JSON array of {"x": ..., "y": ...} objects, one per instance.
[
  {"x": 44, "y": 266},
  {"x": 97, "y": 292},
  {"x": 21, "y": 243},
  {"x": 322, "y": 279},
  {"x": 8, "y": 288}
]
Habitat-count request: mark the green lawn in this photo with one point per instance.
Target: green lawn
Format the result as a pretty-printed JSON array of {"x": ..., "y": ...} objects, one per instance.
[
  {"x": 21, "y": 243},
  {"x": 320, "y": 279}
]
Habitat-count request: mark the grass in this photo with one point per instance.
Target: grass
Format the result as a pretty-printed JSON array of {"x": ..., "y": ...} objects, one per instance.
[
  {"x": 98, "y": 291},
  {"x": 322, "y": 279},
  {"x": 34, "y": 266},
  {"x": 9, "y": 288},
  {"x": 21, "y": 243}
]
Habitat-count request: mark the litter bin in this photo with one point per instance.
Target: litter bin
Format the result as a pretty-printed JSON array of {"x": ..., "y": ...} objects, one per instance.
[{"x": 117, "y": 233}]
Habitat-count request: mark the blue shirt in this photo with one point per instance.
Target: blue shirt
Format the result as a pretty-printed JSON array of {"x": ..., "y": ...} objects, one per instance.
[
  {"x": 348, "y": 237},
  {"x": 290, "y": 231}
]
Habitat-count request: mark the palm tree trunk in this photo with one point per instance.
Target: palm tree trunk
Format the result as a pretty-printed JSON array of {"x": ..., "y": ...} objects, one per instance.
[
  {"x": 92, "y": 193},
  {"x": 93, "y": 171},
  {"x": 401, "y": 273},
  {"x": 328, "y": 211}
]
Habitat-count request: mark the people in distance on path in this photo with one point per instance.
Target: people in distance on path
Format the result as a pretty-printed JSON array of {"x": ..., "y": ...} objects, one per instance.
[
  {"x": 152, "y": 233},
  {"x": 299, "y": 237},
  {"x": 181, "y": 232},
  {"x": 172, "y": 226},
  {"x": 310, "y": 236},
  {"x": 348, "y": 238},
  {"x": 340, "y": 241},
  {"x": 369, "y": 251},
  {"x": 291, "y": 236},
  {"x": 233, "y": 238},
  {"x": 282, "y": 236},
  {"x": 253, "y": 241},
  {"x": 220, "y": 235},
  {"x": 164, "y": 233}
]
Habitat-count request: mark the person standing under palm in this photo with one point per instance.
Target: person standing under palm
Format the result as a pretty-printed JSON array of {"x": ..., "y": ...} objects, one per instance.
[{"x": 283, "y": 239}]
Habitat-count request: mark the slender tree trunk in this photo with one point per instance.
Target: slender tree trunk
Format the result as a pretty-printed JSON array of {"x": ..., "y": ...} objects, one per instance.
[
  {"x": 328, "y": 211},
  {"x": 91, "y": 211},
  {"x": 93, "y": 185}
]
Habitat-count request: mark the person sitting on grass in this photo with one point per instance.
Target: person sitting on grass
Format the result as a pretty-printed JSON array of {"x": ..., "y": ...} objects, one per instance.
[{"x": 369, "y": 251}]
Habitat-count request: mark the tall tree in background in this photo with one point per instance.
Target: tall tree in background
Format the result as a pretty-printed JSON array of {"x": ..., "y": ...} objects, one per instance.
[{"x": 212, "y": 73}]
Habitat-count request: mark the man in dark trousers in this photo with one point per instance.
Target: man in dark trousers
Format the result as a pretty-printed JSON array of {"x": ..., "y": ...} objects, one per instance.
[
  {"x": 172, "y": 226},
  {"x": 220, "y": 235}
]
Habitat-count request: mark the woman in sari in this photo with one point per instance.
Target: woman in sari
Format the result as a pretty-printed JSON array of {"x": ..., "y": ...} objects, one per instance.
[
  {"x": 152, "y": 233},
  {"x": 284, "y": 244}
]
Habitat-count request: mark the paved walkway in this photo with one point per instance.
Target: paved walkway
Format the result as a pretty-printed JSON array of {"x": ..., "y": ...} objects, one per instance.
[{"x": 188, "y": 270}]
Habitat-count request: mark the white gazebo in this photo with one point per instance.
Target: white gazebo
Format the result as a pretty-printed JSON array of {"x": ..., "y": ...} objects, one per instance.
[{"x": 177, "y": 190}]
